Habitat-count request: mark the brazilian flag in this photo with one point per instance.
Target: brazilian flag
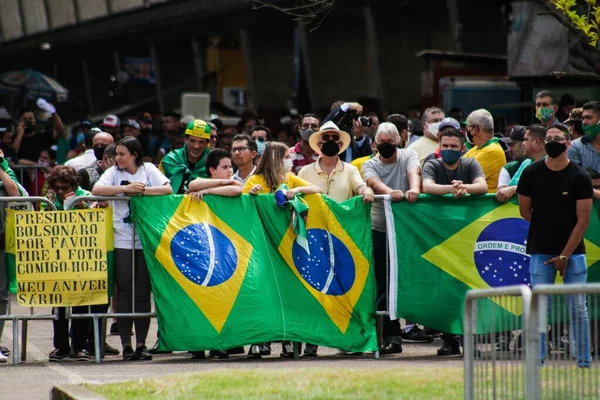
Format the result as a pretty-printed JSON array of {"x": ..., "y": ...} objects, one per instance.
[
  {"x": 442, "y": 247},
  {"x": 228, "y": 271}
]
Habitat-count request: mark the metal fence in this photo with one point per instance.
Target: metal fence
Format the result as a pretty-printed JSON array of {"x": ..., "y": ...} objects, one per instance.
[
  {"x": 22, "y": 203},
  {"x": 29, "y": 174},
  {"x": 494, "y": 328},
  {"x": 546, "y": 350}
]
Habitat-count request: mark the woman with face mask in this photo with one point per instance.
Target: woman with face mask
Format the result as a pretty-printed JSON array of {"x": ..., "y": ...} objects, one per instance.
[{"x": 274, "y": 170}]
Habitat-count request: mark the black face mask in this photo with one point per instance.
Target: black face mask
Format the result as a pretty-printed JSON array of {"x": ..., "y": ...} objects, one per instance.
[
  {"x": 99, "y": 152},
  {"x": 386, "y": 150},
  {"x": 330, "y": 148},
  {"x": 555, "y": 149}
]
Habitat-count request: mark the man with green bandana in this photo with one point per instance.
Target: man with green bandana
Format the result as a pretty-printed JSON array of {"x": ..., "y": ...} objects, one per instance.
[
  {"x": 585, "y": 151},
  {"x": 184, "y": 165},
  {"x": 546, "y": 107}
]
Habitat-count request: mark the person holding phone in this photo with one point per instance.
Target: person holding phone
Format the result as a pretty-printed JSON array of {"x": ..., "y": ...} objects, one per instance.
[{"x": 131, "y": 177}]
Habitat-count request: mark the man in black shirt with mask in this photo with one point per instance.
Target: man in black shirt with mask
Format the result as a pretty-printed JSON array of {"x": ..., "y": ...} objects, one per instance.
[
  {"x": 555, "y": 195},
  {"x": 29, "y": 142}
]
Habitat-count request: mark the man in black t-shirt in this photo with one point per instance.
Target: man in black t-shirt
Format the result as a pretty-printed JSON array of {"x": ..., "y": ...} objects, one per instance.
[
  {"x": 453, "y": 174},
  {"x": 555, "y": 195},
  {"x": 29, "y": 142}
]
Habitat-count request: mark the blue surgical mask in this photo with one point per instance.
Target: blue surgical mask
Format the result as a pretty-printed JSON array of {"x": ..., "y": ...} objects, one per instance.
[
  {"x": 261, "y": 146},
  {"x": 450, "y": 156}
]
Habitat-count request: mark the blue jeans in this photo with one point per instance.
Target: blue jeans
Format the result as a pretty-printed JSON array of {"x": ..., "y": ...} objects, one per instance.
[{"x": 579, "y": 324}]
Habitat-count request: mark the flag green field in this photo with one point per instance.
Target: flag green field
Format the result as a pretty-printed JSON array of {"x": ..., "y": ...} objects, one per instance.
[
  {"x": 442, "y": 247},
  {"x": 228, "y": 271}
]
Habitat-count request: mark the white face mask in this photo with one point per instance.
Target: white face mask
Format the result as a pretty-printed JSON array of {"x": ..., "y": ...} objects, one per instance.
[
  {"x": 288, "y": 164},
  {"x": 433, "y": 128}
]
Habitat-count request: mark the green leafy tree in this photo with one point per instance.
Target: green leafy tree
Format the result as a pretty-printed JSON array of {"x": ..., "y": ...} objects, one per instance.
[{"x": 584, "y": 16}]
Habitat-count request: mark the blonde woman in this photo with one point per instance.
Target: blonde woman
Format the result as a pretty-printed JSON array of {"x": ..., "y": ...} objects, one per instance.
[{"x": 274, "y": 170}]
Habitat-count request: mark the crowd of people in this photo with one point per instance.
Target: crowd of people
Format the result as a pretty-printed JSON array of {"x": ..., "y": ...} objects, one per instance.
[{"x": 341, "y": 155}]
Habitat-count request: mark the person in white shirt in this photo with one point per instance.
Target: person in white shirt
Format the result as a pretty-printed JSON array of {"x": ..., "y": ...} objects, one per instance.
[
  {"x": 131, "y": 176},
  {"x": 92, "y": 139}
]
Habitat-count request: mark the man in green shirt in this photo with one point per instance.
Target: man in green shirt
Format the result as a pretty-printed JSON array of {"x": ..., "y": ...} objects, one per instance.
[{"x": 184, "y": 165}]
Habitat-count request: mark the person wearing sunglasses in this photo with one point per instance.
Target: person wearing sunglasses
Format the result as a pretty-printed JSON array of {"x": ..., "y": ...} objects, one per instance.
[
  {"x": 555, "y": 196},
  {"x": 303, "y": 153}
]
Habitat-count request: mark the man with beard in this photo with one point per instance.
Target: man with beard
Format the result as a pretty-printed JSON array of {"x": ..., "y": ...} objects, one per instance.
[
  {"x": 394, "y": 171},
  {"x": 183, "y": 165}
]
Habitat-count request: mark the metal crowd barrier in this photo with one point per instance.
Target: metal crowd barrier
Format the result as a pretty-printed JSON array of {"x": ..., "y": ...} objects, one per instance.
[
  {"x": 21, "y": 168},
  {"x": 494, "y": 366},
  {"x": 557, "y": 314},
  {"x": 23, "y": 202},
  {"x": 99, "y": 340}
]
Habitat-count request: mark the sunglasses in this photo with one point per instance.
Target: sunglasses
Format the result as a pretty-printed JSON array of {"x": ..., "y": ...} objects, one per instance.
[{"x": 326, "y": 137}]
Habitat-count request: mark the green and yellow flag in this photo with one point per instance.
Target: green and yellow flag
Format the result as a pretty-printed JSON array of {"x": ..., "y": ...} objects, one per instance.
[
  {"x": 228, "y": 271},
  {"x": 442, "y": 247}
]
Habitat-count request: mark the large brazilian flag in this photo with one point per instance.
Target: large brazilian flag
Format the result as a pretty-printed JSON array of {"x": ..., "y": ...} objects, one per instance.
[
  {"x": 228, "y": 271},
  {"x": 441, "y": 247}
]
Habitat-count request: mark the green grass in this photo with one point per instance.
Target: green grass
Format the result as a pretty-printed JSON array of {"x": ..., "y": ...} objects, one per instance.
[{"x": 283, "y": 384}]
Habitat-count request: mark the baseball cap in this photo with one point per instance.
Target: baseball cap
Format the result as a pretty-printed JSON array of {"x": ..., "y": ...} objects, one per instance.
[
  {"x": 132, "y": 123},
  {"x": 85, "y": 123},
  {"x": 448, "y": 121},
  {"x": 111, "y": 121},
  {"x": 517, "y": 134},
  {"x": 198, "y": 128},
  {"x": 576, "y": 114}
]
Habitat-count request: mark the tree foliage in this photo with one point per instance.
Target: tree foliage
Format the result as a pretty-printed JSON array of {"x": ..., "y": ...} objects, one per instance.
[{"x": 584, "y": 16}]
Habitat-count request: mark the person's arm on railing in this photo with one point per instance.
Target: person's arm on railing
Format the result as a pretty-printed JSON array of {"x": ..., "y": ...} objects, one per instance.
[
  {"x": 158, "y": 190},
  {"x": 9, "y": 185},
  {"x": 203, "y": 183}
]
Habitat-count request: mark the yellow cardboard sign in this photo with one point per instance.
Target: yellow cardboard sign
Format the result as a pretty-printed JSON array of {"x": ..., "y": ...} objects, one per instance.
[{"x": 61, "y": 257}]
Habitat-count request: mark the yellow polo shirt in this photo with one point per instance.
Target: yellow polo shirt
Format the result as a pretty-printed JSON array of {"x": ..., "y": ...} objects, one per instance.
[
  {"x": 292, "y": 181},
  {"x": 358, "y": 163},
  {"x": 491, "y": 157},
  {"x": 341, "y": 185},
  {"x": 424, "y": 147}
]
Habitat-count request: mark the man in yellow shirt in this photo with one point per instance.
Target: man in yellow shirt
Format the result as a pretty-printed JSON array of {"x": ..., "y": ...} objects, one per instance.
[{"x": 486, "y": 149}]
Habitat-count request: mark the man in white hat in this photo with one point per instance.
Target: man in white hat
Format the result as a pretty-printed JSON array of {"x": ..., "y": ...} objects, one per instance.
[{"x": 338, "y": 179}]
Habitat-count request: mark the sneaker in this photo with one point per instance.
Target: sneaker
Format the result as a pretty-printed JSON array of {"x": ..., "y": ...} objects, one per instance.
[
  {"x": 218, "y": 354},
  {"x": 259, "y": 350},
  {"x": 82, "y": 356},
  {"x": 416, "y": 335},
  {"x": 129, "y": 354},
  {"x": 287, "y": 350},
  {"x": 155, "y": 349},
  {"x": 449, "y": 349},
  {"x": 265, "y": 349},
  {"x": 3, "y": 358},
  {"x": 198, "y": 355},
  {"x": 5, "y": 350},
  {"x": 59, "y": 355},
  {"x": 72, "y": 353},
  {"x": 110, "y": 351},
  {"x": 143, "y": 353},
  {"x": 310, "y": 350}
]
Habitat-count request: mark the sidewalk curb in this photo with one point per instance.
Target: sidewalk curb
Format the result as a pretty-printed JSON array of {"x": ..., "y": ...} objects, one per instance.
[{"x": 73, "y": 392}]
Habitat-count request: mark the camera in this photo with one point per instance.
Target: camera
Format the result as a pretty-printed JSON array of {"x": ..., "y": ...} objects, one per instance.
[{"x": 364, "y": 121}]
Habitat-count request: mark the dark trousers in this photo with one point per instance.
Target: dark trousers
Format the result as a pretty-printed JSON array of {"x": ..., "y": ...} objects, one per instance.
[
  {"x": 390, "y": 328},
  {"x": 81, "y": 328},
  {"x": 123, "y": 279}
]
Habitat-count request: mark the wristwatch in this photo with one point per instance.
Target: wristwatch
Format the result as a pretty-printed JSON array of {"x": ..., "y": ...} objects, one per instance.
[{"x": 564, "y": 258}]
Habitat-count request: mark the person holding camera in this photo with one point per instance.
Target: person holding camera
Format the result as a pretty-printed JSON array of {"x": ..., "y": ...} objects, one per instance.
[{"x": 347, "y": 117}]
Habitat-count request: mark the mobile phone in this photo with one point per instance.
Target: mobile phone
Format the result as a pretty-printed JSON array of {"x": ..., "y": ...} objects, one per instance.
[{"x": 125, "y": 183}]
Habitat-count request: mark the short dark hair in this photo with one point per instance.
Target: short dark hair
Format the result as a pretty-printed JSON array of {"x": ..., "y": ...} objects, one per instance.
[
  {"x": 400, "y": 121},
  {"x": 173, "y": 115},
  {"x": 561, "y": 128},
  {"x": 592, "y": 105},
  {"x": 64, "y": 173},
  {"x": 311, "y": 115},
  {"x": 547, "y": 93},
  {"x": 261, "y": 128},
  {"x": 452, "y": 132},
  {"x": 214, "y": 158},
  {"x": 134, "y": 147},
  {"x": 25, "y": 110},
  {"x": 537, "y": 130},
  {"x": 110, "y": 151},
  {"x": 251, "y": 143}
]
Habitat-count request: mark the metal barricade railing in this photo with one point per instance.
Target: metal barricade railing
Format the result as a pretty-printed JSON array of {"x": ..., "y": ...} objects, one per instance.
[
  {"x": 494, "y": 325},
  {"x": 567, "y": 328},
  {"x": 99, "y": 338},
  {"x": 20, "y": 170},
  {"x": 31, "y": 315}
]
